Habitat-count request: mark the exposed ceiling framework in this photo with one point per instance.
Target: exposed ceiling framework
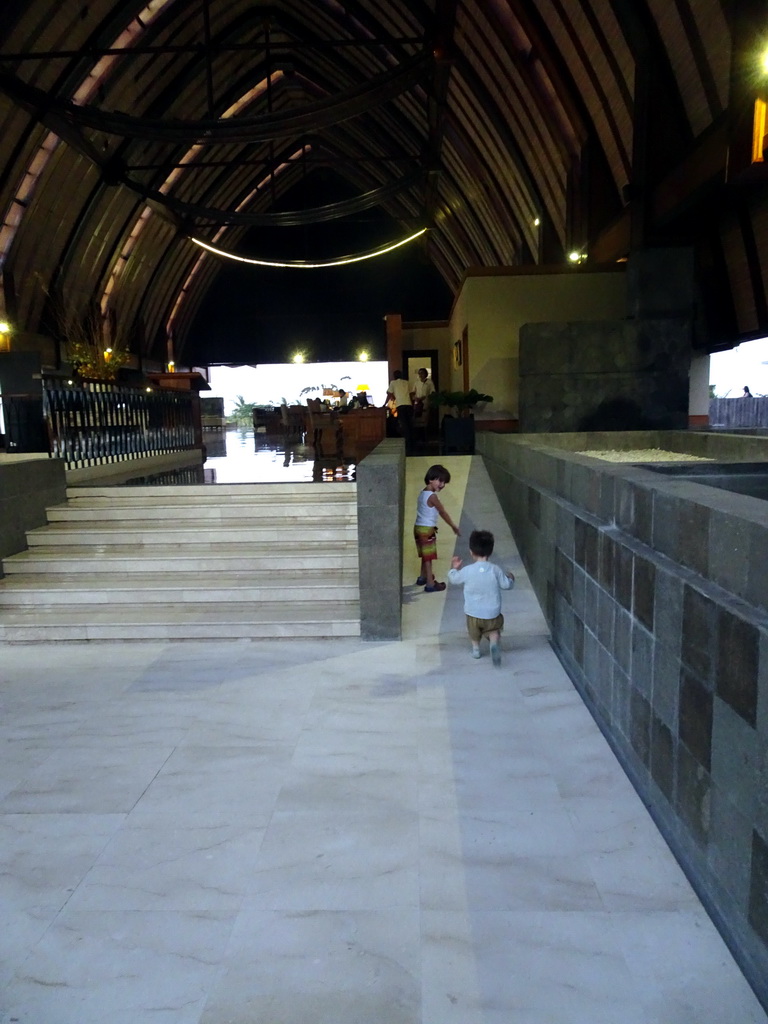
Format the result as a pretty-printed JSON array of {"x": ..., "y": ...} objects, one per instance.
[{"x": 514, "y": 129}]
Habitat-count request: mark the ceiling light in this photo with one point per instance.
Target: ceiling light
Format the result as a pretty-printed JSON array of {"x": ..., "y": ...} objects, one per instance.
[{"x": 304, "y": 265}]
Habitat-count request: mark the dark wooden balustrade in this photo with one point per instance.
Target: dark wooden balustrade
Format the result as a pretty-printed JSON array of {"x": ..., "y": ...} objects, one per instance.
[{"x": 96, "y": 422}]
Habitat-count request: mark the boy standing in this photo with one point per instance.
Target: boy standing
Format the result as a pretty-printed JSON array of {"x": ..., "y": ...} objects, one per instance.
[
  {"x": 428, "y": 508},
  {"x": 483, "y": 583}
]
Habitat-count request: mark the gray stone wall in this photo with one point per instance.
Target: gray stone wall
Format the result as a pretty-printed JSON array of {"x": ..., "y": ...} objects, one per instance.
[
  {"x": 656, "y": 592},
  {"x": 612, "y": 375},
  {"x": 380, "y": 493},
  {"x": 27, "y": 486}
]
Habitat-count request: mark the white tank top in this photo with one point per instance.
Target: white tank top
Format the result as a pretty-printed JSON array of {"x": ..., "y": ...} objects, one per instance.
[{"x": 426, "y": 515}]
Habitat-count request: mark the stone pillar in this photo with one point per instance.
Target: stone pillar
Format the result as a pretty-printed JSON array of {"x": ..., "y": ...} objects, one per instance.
[
  {"x": 380, "y": 493},
  {"x": 394, "y": 322}
]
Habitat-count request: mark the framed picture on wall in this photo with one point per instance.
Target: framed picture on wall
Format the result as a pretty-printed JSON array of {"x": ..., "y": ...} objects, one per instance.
[{"x": 457, "y": 359}]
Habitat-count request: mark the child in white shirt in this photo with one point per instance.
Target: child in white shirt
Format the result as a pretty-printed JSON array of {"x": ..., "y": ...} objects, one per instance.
[{"x": 483, "y": 583}]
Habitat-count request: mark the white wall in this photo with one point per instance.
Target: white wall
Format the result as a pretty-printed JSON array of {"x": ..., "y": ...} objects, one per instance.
[{"x": 270, "y": 383}]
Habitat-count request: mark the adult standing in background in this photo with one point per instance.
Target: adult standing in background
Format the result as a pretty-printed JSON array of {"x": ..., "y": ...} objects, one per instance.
[
  {"x": 421, "y": 389},
  {"x": 399, "y": 392}
]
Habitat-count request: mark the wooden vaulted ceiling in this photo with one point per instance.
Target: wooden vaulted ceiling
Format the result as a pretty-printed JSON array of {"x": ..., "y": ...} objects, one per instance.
[{"x": 515, "y": 129}]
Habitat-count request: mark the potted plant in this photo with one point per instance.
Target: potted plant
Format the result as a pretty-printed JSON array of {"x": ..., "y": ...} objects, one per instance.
[{"x": 458, "y": 427}]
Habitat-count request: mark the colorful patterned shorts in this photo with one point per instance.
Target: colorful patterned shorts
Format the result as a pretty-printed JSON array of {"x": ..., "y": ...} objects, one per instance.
[{"x": 426, "y": 542}]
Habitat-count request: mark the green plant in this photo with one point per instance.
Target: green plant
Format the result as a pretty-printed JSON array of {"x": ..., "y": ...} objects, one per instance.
[
  {"x": 242, "y": 413},
  {"x": 462, "y": 402},
  {"x": 96, "y": 339}
]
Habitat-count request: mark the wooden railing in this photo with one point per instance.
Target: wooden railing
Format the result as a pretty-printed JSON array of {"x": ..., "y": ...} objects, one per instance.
[
  {"x": 95, "y": 422},
  {"x": 738, "y": 412}
]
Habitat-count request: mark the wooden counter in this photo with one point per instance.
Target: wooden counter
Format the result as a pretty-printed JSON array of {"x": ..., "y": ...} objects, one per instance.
[{"x": 362, "y": 429}]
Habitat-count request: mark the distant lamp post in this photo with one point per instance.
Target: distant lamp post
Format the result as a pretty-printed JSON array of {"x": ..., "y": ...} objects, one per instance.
[{"x": 5, "y": 336}]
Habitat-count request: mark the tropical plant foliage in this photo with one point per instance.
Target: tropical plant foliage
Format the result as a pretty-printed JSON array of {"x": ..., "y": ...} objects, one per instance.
[
  {"x": 242, "y": 413},
  {"x": 462, "y": 402},
  {"x": 96, "y": 343}
]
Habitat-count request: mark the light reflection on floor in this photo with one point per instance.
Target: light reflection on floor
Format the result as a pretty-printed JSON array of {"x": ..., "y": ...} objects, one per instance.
[{"x": 240, "y": 456}]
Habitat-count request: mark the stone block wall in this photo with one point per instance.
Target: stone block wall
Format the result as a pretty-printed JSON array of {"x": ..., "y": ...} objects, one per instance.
[
  {"x": 28, "y": 485},
  {"x": 612, "y": 375},
  {"x": 656, "y": 592}
]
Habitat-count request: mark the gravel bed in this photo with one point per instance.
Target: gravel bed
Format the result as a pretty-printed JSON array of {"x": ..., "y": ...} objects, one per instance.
[{"x": 645, "y": 455}]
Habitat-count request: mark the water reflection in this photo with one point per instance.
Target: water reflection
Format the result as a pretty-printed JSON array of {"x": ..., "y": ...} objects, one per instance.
[
  {"x": 257, "y": 457},
  {"x": 243, "y": 457}
]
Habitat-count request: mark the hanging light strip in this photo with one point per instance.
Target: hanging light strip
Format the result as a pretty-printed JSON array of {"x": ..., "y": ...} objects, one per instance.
[{"x": 301, "y": 264}]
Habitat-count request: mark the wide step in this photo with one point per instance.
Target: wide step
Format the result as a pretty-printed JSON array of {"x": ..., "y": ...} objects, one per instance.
[
  {"x": 186, "y": 588},
  {"x": 190, "y": 622},
  {"x": 145, "y": 531},
  {"x": 170, "y": 558},
  {"x": 188, "y": 562}
]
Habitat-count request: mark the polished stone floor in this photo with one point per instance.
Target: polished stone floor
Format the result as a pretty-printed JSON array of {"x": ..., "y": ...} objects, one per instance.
[
  {"x": 337, "y": 832},
  {"x": 245, "y": 456}
]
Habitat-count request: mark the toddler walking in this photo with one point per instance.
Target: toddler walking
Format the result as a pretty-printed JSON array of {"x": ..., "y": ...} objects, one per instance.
[
  {"x": 483, "y": 583},
  {"x": 428, "y": 508}
]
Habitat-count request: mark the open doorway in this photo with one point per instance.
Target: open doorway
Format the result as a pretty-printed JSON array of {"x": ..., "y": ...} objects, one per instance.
[
  {"x": 424, "y": 414},
  {"x": 422, "y": 358}
]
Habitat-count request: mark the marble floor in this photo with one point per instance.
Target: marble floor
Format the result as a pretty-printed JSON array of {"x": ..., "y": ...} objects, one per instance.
[{"x": 337, "y": 833}]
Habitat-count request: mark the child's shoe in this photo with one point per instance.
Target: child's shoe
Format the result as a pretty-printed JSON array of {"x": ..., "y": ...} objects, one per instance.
[
  {"x": 496, "y": 655},
  {"x": 436, "y": 587},
  {"x": 475, "y": 651},
  {"x": 421, "y": 581}
]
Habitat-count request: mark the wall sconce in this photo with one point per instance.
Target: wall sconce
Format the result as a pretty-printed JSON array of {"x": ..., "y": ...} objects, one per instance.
[
  {"x": 363, "y": 356},
  {"x": 171, "y": 366},
  {"x": 5, "y": 336},
  {"x": 575, "y": 257}
]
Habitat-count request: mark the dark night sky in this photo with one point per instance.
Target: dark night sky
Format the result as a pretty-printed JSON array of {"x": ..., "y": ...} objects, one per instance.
[{"x": 261, "y": 314}]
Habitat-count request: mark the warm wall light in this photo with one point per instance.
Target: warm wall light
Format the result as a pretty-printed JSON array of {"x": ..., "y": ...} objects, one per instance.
[
  {"x": 5, "y": 336},
  {"x": 298, "y": 357},
  {"x": 536, "y": 221},
  {"x": 5, "y": 327},
  {"x": 759, "y": 131},
  {"x": 764, "y": 62},
  {"x": 575, "y": 257},
  {"x": 171, "y": 366},
  {"x": 363, "y": 356}
]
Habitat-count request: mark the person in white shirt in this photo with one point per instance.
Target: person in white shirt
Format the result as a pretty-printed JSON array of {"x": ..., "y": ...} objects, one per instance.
[
  {"x": 428, "y": 508},
  {"x": 421, "y": 389},
  {"x": 423, "y": 386},
  {"x": 483, "y": 583},
  {"x": 399, "y": 393}
]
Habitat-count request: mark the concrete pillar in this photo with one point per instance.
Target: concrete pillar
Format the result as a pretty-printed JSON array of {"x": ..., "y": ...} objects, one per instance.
[
  {"x": 394, "y": 322},
  {"x": 698, "y": 394}
]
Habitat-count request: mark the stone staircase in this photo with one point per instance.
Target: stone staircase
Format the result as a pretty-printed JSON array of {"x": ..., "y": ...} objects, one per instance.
[{"x": 188, "y": 563}]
